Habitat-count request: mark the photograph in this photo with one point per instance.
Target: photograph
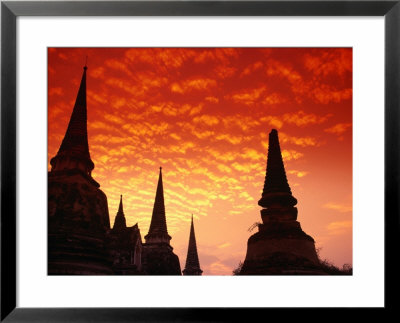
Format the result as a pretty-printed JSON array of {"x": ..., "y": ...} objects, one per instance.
[{"x": 200, "y": 161}]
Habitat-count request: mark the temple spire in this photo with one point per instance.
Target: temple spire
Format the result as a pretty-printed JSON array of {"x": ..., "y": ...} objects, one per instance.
[
  {"x": 276, "y": 187},
  {"x": 120, "y": 221},
  {"x": 192, "y": 266},
  {"x": 158, "y": 225},
  {"x": 120, "y": 208},
  {"x": 74, "y": 149}
]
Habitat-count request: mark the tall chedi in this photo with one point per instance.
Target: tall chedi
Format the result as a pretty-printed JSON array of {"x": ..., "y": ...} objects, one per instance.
[
  {"x": 78, "y": 218},
  {"x": 157, "y": 255},
  {"x": 280, "y": 247},
  {"x": 192, "y": 266}
]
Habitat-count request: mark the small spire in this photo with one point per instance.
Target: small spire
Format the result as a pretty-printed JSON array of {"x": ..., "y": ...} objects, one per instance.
[
  {"x": 192, "y": 266},
  {"x": 120, "y": 208},
  {"x": 158, "y": 225},
  {"x": 120, "y": 221},
  {"x": 85, "y": 67}
]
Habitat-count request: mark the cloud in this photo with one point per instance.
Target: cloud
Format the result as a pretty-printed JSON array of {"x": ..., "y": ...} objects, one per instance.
[
  {"x": 291, "y": 154},
  {"x": 224, "y": 72},
  {"x": 224, "y": 245},
  {"x": 245, "y": 167},
  {"x": 301, "y": 118},
  {"x": 182, "y": 147},
  {"x": 273, "y": 121},
  {"x": 63, "y": 56},
  {"x": 218, "y": 268},
  {"x": 97, "y": 73},
  {"x": 326, "y": 94},
  {"x": 200, "y": 84},
  {"x": 242, "y": 122},
  {"x": 204, "y": 134},
  {"x": 220, "y": 55},
  {"x": 118, "y": 65},
  {"x": 211, "y": 99},
  {"x": 251, "y": 68},
  {"x": 224, "y": 168},
  {"x": 338, "y": 207},
  {"x": 248, "y": 96},
  {"x": 55, "y": 91},
  {"x": 223, "y": 156},
  {"x": 160, "y": 57},
  {"x": 298, "y": 173},
  {"x": 332, "y": 62},
  {"x": 234, "y": 140},
  {"x": 252, "y": 154},
  {"x": 206, "y": 119},
  {"x": 175, "y": 136},
  {"x": 339, "y": 227},
  {"x": 274, "y": 98},
  {"x": 339, "y": 128},
  {"x": 276, "y": 68},
  {"x": 298, "y": 141}
]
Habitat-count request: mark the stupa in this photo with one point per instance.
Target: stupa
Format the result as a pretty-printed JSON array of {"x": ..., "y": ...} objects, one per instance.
[
  {"x": 280, "y": 247},
  {"x": 78, "y": 218},
  {"x": 158, "y": 257},
  {"x": 192, "y": 266}
]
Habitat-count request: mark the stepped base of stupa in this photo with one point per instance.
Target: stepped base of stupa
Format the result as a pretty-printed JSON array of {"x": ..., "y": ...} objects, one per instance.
[
  {"x": 77, "y": 226},
  {"x": 158, "y": 259},
  {"x": 281, "y": 248},
  {"x": 71, "y": 254}
]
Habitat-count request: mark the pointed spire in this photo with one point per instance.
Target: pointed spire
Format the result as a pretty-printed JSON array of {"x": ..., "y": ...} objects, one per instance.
[
  {"x": 120, "y": 208},
  {"x": 74, "y": 149},
  {"x": 276, "y": 187},
  {"x": 120, "y": 221},
  {"x": 158, "y": 225},
  {"x": 192, "y": 266}
]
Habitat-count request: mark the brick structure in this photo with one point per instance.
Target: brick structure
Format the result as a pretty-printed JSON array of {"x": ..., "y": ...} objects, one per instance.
[
  {"x": 280, "y": 247},
  {"x": 78, "y": 219}
]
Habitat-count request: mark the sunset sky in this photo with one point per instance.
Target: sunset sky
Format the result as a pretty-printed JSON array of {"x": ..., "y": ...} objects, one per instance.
[{"x": 204, "y": 115}]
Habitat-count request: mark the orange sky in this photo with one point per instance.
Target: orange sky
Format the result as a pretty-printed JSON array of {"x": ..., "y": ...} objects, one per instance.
[{"x": 204, "y": 115}]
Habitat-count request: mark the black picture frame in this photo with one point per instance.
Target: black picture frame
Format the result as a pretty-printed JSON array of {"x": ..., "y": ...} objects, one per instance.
[{"x": 10, "y": 10}]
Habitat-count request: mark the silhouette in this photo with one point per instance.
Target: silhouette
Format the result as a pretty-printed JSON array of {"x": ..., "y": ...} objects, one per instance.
[
  {"x": 125, "y": 244},
  {"x": 78, "y": 219},
  {"x": 158, "y": 258},
  {"x": 80, "y": 240},
  {"x": 192, "y": 266},
  {"x": 280, "y": 247}
]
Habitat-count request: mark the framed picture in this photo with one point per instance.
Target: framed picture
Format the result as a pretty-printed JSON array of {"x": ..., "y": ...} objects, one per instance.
[{"x": 360, "y": 78}]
